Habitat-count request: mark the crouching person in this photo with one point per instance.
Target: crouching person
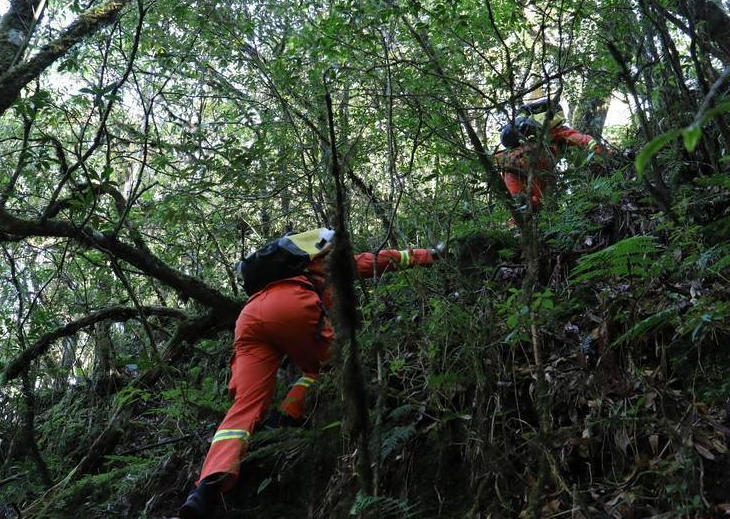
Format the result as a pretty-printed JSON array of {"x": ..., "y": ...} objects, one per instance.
[{"x": 286, "y": 315}]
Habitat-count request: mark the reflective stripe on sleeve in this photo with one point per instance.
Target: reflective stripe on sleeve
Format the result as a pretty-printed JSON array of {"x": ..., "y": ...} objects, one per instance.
[
  {"x": 231, "y": 434},
  {"x": 592, "y": 144},
  {"x": 305, "y": 382},
  {"x": 405, "y": 259}
]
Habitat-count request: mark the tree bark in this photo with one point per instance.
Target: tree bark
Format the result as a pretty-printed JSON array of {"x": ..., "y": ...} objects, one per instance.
[
  {"x": 590, "y": 112},
  {"x": 714, "y": 24},
  {"x": 346, "y": 320},
  {"x": 29, "y": 431},
  {"x": 16, "y": 28},
  {"x": 15, "y": 78}
]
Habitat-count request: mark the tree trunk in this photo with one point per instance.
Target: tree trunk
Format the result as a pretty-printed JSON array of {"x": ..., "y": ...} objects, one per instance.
[
  {"x": 16, "y": 28},
  {"x": 714, "y": 24},
  {"x": 589, "y": 115}
]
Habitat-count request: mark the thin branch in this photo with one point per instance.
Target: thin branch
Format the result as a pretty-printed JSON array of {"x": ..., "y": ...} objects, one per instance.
[
  {"x": 104, "y": 116},
  {"x": 27, "y": 126},
  {"x": 140, "y": 309},
  {"x": 493, "y": 178},
  {"x": 143, "y": 260},
  {"x": 20, "y": 364}
]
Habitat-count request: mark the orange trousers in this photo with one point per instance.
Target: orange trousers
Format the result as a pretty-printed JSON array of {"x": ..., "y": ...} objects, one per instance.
[
  {"x": 517, "y": 184},
  {"x": 286, "y": 318}
]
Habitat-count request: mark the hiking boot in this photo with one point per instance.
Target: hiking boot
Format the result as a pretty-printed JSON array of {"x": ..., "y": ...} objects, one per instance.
[
  {"x": 278, "y": 420},
  {"x": 202, "y": 501}
]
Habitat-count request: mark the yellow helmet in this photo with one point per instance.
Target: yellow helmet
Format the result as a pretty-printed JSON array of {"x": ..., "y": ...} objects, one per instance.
[{"x": 543, "y": 108}]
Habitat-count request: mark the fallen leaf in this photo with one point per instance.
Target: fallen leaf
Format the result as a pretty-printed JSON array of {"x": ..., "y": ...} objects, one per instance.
[
  {"x": 704, "y": 451},
  {"x": 719, "y": 445},
  {"x": 551, "y": 507},
  {"x": 622, "y": 440},
  {"x": 616, "y": 500},
  {"x": 654, "y": 442}
]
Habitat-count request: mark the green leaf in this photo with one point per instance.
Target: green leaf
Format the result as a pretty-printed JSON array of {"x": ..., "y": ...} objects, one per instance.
[
  {"x": 720, "y": 180},
  {"x": 642, "y": 327},
  {"x": 332, "y": 425},
  {"x": 717, "y": 110},
  {"x": 651, "y": 149},
  {"x": 691, "y": 136},
  {"x": 107, "y": 88},
  {"x": 106, "y": 172},
  {"x": 265, "y": 483}
]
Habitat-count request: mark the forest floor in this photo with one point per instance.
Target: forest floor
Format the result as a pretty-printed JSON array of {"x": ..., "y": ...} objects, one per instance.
[{"x": 635, "y": 363}]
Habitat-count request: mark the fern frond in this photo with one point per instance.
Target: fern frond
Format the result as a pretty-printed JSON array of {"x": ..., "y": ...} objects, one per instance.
[
  {"x": 385, "y": 506},
  {"x": 630, "y": 257},
  {"x": 715, "y": 259},
  {"x": 395, "y": 438},
  {"x": 647, "y": 324}
]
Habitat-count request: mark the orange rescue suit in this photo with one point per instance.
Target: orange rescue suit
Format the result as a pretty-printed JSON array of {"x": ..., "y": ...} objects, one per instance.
[
  {"x": 285, "y": 318},
  {"x": 517, "y": 163}
]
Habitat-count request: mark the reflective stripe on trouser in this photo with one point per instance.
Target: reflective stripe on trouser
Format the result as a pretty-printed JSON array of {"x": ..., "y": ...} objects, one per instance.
[
  {"x": 231, "y": 434},
  {"x": 253, "y": 382},
  {"x": 280, "y": 320},
  {"x": 294, "y": 403},
  {"x": 405, "y": 259}
]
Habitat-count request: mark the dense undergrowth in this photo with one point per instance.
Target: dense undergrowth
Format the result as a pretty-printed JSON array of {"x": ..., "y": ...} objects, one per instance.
[{"x": 633, "y": 319}]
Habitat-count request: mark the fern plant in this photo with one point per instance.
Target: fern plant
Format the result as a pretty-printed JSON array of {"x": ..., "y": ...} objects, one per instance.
[
  {"x": 395, "y": 438},
  {"x": 385, "y": 506},
  {"x": 630, "y": 257},
  {"x": 714, "y": 260},
  {"x": 641, "y": 328}
]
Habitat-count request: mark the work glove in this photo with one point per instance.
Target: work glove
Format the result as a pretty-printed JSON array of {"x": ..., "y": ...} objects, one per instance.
[
  {"x": 438, "y": 251},
  {"x": 629, "y": 154}
]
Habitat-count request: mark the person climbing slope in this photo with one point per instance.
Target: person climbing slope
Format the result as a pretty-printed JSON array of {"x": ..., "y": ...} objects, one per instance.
[
  {"x": 524, "y": 154},
  {"x": 285, "y": 316}
]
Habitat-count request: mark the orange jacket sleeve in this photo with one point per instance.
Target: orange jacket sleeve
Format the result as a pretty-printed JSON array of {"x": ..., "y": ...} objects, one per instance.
[
  {"x": 390, "y": 260},
  {"x": 570, "y": 137}
]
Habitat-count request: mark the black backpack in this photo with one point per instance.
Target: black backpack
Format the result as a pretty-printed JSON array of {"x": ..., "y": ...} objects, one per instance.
[{"x": 283, "y": 258}]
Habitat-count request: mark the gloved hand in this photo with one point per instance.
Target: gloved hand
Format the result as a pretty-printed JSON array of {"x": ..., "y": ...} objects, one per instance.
[
  {"x": 629, "y": 154},
  {"x": 438, "y": 251}
]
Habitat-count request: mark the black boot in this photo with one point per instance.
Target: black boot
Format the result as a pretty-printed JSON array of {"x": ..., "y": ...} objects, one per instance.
[
  {"x": 278, "y": 420},
  {"x": 203, "y": 500}
]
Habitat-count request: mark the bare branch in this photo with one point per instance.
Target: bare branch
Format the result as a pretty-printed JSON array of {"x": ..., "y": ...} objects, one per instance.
[
  {"x": 493, "y": 178},
  {"x": 20, "y": 364},
  {"x": 142, "y": 259}
]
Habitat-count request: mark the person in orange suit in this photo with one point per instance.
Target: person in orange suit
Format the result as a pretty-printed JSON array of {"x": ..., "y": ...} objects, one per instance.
[
  {"x": 524, "y": 154},
  {"x": 286, "y": 318}
]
